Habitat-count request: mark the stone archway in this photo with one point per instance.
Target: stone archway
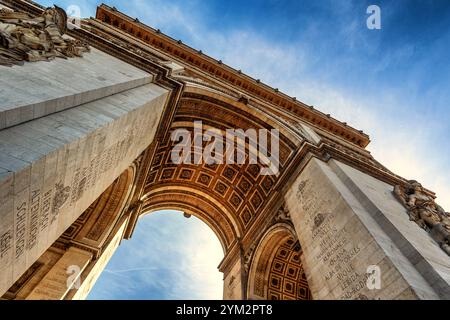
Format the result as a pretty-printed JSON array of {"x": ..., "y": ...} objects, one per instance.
[
  {"x": 203, "y": 208},
  {"x": 275, "y": 270},
  {"x": 227, "y": 197},
  {"x": 229, "y": 194},
  {"x": 64, "y": 151}
]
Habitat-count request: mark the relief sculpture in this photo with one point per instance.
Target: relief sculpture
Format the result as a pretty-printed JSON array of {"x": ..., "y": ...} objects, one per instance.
[
  {"x": 61, "y": 196},
  {"x": 423, "y": 210},
  {"x": 27, "y": 38}
]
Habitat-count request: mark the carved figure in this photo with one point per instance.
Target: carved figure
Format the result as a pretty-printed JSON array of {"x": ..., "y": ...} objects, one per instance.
[
  {"x": 248, "y": 257},
  {"x": 423, "y": 210},
  {"x": 282, "y": 214},
  {"x": 301, "y": 188},
  {"x": 318, "y": 220},
  {"x": 61, "y": 196},
  {"x": 27, "y": 38}
]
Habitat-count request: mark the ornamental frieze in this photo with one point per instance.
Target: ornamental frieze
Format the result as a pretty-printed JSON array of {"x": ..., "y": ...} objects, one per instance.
[{"x": 26, "y": 38}]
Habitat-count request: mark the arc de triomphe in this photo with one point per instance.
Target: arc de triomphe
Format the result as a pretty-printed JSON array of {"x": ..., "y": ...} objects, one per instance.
[{"x": 85, "y": 150}]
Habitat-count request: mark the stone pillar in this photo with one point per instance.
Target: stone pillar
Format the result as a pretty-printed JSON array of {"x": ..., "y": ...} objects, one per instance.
[
  {"x": 70, "y": 267},
  {"x": 54, "y": 165},
  {"x": 234, "y": 275},
  {"x": 93, "y": 271},
  {"x": 352, "y": 229},
  {"x": 63, "y": 276}
]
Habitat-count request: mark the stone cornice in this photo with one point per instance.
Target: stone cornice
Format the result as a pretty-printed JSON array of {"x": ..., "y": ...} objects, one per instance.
[
  {"x": 162, "y": 73},
  {"x": 197, "y": 60}
]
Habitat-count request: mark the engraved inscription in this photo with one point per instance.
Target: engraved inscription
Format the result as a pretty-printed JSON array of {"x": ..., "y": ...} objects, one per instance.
[
  {"x": 337, "y": 249},
  {"x": 21, "y": 219},
  {"x": 34, "y": 218},
  {"x": 46, "y": 208},
  {"x": 5, "y": 243}
]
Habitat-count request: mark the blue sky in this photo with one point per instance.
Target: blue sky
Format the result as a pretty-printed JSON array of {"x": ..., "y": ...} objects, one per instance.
[
  {"x": 393, "y": 83},
  {"x": 168, "y": 257}
]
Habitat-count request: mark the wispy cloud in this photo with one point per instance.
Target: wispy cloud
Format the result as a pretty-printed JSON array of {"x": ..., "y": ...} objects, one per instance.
[{"x": 169, "y": 257}]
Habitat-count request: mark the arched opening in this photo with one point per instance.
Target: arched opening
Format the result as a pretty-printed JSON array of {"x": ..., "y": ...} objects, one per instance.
[
  {"x": 276, "y": 270},
  {"x": 168, "y": 257},
  {"x": 235, "y": 200},
  {"x": 228, "y": 196}
]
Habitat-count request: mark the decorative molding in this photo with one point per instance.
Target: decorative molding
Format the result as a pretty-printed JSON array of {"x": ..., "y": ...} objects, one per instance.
[
  {"x": 282, "y": 215},
  {"x": 248, "y": 256},
  {"x": 196, "y": 60}
]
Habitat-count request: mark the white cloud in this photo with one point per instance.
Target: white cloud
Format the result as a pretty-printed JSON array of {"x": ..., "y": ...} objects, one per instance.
[
  {"x": 201, "y": 255},
  {"x": 404, "y": 145},
  {"x": 401, "y": 140},
  {"x": 168, "y": 255}
]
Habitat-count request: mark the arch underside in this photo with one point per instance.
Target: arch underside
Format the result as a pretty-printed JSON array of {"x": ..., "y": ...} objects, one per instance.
[
  {"x": 287, "y": 278},
  {"x": 276, "y": 271},
  {"x": 228, "y": 197}
]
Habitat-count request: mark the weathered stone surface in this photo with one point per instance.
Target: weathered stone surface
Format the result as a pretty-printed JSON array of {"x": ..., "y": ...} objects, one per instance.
[
  {"x": 414, "y": 242},
  {"x": 78, "y": 153},
  {"x": 89, "y": 278},
  {"x": 37, "y": 89},
  {"x": 341, "y": 240},
  {"x": 62, "y": 277},
  {"x": 232, "y": 289}
]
